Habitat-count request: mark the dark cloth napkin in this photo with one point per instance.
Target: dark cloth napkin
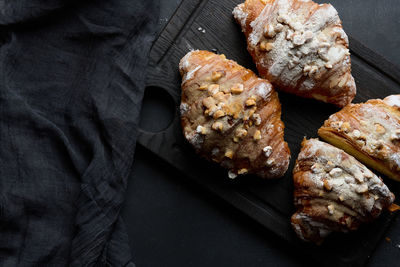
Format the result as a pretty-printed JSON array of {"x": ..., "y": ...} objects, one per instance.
[{"x": 72, "y": 78}]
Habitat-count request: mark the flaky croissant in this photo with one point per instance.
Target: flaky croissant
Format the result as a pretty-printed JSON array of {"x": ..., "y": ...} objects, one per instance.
[
  {"x": 231, "y": 116},
  {"x": 300, "y": 47},
  {"x": 334, "y": 192},
  {"x": 370, "y": 132}
]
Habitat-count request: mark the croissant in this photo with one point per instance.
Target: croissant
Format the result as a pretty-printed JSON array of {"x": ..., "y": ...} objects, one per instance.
[
  {"x": 231, "y": 116},
  {"x": 300, "y": 47},
  {"x": 334, "y": 192},
  {"x": 370, "y": 132}
]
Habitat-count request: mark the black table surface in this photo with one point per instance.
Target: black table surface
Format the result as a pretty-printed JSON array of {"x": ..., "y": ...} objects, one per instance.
[{"x": 172, "y": 222}]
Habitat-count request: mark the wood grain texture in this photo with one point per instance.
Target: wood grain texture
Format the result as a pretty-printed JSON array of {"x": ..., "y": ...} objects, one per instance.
[{"x": 268, "y": 202}]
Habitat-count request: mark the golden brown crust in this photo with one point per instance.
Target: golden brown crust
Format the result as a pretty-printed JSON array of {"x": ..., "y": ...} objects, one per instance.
[
  {"x": 334, "y": 192},
  {"x": 370, "y": 132},
  {"x": 231, "y": 116},
  {"x": 300, "y": 47}
]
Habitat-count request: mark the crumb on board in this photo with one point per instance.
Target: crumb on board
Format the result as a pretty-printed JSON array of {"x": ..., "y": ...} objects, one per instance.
[{"x": 200, "y": 29}]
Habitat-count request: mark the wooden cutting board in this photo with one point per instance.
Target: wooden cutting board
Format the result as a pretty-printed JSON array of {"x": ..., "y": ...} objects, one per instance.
[{"x": 209, "y": 25}]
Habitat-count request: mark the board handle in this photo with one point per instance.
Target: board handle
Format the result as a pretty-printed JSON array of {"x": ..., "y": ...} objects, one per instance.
[{"x": 156, "y": 139}]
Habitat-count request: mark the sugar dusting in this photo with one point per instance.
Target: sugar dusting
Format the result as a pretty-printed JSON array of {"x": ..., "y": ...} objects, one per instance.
[
  {"x": 240, "y": 15},
  {"x": 317, "y": 43},
  {"x": 189, "y": 75},
  {"x": 393, "y": 100},
  {"x": 345, "y": 186}
]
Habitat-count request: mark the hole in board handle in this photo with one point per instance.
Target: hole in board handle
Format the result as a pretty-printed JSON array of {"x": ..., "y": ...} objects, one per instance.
[{"x": 158, "y": 110}]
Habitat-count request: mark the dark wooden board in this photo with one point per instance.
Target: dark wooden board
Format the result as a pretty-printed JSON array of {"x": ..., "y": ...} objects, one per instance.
[{"x": 270, "y": 202}]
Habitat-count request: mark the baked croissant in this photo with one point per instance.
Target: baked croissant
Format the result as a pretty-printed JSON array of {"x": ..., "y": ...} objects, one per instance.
[
  {"x": 300, "y": 47},
  {"x": 231, "y": 116},
  {"x": 334, "y": 192},
  {"x": 370, "y": 132}
]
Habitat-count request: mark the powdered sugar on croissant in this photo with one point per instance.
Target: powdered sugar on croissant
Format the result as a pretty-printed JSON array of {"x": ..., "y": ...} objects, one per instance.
[
  {"x": 370, "y": 132},
  {"x": 300, "y": 47},
  {"x": 334, "y": 192},
  {"x": 231, "y": 116}
]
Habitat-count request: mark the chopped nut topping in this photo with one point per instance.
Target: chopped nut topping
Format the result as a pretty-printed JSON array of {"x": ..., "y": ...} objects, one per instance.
[
  {"x": 362, "y": 188},
  {"x": 232, "y": 174},
  {"x": 313, "y": 70},
  {"x": 257, "y": 119},
  {"x": 331, "y": 209},
  {"x": 283, "y": 19},
  {"x": 376, "y": 197},
  {"x": 356, "y": 133},
  {"x": 308, "y": 35},
  {"x": 240, "y": 133},
  {"x": 219, "y": 114},
  {"x": 269, "y": 31},
  {"x": 217, "y": 126},
  {"x": 291, "y": 64},
  {"x": 345, "y": 127},
  {"x": 201, "y": 130},
  {"x": 329, "y": 166},
  {"x": 236, "y": 139},
  {"x": 336, "y": 124},
  {"x": 306, "y": 70},
  {"x": 216, "y": 75},
  {"x": 341, "y": 198},
  {"x": 270, "y": 162},
  {"x": 317, "y": 168},
  {"x": 336, "y": 172},
  {"x": 243, "y": 171},
  {"x": 266, "y": 46},
  {"x": 376, "y": 145},
  {"x": 203, "y": 87},
  {"x": 267, "y": 151},
  {"x": 328, "y": 66},
  {"x": 251, "y": 111},
  {"x": 221, "y": 96},
  {"x": 359, "y": 177},
  {"x": 324, "y": 45},
  {"x": 349, "y": 180},
  {"x": 229, "y": 153},
  {"x": 323, "y": 54},
  {"x": 298, "y": 39},
  {"x": 250, "y": 102},
  {"x": 208, "y": 102},
  {"x": 368, "y": 175},
  {"x": 278, "y": 27},
  {"x": 360, "y": 142},
  {"x": 257, "y": 135},
  {"x": 226, "y": 90},
  {"x": 237, "y": 88},
  {"x": 379, "y": 128},
  {"x": 213, "y": 89},
  {"x": 327, "y": 185},
  {"x": 289, "y": 35}
]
